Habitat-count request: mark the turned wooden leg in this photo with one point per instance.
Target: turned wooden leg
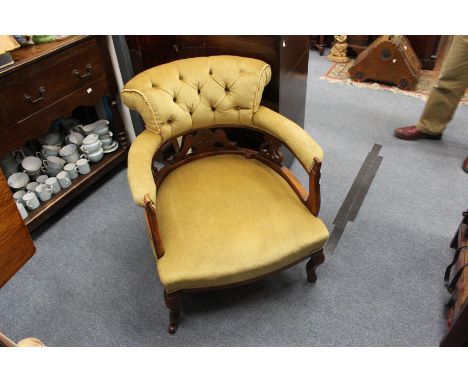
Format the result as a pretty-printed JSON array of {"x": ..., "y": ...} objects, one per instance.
[
  {"x": 316, "y": 259},
  {"x": 173, "y": 304}
]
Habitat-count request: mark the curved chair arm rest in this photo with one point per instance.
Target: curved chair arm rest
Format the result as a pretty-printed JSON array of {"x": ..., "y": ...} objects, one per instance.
[
  {"x": 293, "y": 136},
  {"x": 140, "y": 166}
]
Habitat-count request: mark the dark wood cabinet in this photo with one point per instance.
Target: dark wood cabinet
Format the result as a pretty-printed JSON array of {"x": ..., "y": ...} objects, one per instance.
[{"x": 48, "y": 82}]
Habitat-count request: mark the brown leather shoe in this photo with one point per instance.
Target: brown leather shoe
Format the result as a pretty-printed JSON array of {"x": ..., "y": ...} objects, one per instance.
[
  {"x": 411, "y": 133},
  {"x": 465, "y": 165}
]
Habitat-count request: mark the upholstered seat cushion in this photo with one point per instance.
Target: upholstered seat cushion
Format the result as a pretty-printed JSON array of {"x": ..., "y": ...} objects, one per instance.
[{"x": 227, "y": 219}]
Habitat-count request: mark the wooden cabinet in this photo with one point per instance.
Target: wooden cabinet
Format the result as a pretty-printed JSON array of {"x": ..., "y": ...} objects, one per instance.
[
  {"x": 16, "y": 246},
  {"x": 48, "y": 82}
]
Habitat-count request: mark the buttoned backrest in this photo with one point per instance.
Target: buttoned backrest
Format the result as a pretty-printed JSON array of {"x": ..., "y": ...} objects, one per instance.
[{"x": 198, "y": 92}]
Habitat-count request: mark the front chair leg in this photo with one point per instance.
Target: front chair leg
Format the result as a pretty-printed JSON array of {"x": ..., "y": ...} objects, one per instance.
[
  {"x": 173, "y": 304},
  {"x": 315, "y": 260}
]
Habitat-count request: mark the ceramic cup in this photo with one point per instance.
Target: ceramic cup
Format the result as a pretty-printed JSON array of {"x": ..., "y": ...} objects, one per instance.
[
  {"x": 70, "y": 153},
  {"x": 31, "y": 200},
  {"x": 64, "y": 179},
  {"x": 106, "y": 141},
  {"x": 31, "y": 186},
  {"x": 53, "y": 184},
  {"x": 41, "y": 178},
  {"x": 82, "y": 166},
  {"x": 75, "y": 138},
  {"x": 95, "y": 156},
  {"x": 22, "y": 210},
  {"x": 50, "y": 150},
  {"x": 31, "y": 164},
  {"x": 18, "y": 196},
  {"x": 18, "y": 180},
  {"x": 53, "y": 162},
  {"x": 43, "y": 192},
  {"x": 71, "y": 169}
]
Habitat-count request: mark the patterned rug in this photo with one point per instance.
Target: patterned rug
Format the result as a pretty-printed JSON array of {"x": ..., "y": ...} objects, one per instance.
[{"x": 338, "y": 73}]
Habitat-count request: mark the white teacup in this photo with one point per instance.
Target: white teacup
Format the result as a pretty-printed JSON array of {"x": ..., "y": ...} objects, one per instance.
[
  {"x": 41, "y": 178},
  {"x": 50, "y": 150},
  {"x": 71, "y": 169},
  {"x": 54, "y": 162},
  {"x": 31, "y": 186},
  {"x": 75, "y": 138},
  {"x": 95, "y": 156},
  {"x": 90, "y": 149},
  {"x": 70, "y": 153},
  {"x": 43, "y": 192},
  {"x": 82, "y": 166},
  {"x": 31, "y": 164},
  {"x": 64, "y": 179},
  {"x": 18, "y": 196},
  {"x": 31, "y": 200},
  {"x": 53, "y": 184},
  {"x": 22, "y": 210}
]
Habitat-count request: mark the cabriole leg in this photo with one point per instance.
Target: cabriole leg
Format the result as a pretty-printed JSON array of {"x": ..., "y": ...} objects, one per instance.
[
  {"x": 316, "y": 259},
  {"x": 173, "y": 304}
]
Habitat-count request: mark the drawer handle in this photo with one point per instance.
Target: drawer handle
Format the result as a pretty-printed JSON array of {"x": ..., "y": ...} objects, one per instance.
[
  {"x": 28, "y": 98},
  {"x": 77, "y": 73}
]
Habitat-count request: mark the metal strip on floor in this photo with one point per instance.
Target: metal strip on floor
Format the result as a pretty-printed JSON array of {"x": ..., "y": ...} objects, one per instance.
[{"x": 357, "y": 193}]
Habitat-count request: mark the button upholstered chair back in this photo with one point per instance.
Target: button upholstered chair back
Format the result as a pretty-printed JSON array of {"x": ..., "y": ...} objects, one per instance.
[{"x": 199, "y": 92}]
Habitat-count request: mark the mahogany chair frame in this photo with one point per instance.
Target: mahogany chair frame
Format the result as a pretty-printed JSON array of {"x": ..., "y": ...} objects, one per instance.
[{"x": 202, "y": 143}]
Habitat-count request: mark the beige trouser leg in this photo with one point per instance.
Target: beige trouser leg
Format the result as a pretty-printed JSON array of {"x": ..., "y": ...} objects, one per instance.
[{"x": 451, "y": 86}]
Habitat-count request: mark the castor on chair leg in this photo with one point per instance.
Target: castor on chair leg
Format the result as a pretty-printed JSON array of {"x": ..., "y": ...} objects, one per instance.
[
  {"x": 173, "y": 304},
  {"x": 315, "y": 260}
]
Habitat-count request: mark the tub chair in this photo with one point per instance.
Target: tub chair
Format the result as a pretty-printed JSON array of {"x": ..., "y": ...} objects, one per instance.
[{"x": 218, "y": 214}]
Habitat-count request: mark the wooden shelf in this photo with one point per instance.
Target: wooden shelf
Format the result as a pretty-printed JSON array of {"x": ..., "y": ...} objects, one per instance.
[{"x": 98, "y": 170}]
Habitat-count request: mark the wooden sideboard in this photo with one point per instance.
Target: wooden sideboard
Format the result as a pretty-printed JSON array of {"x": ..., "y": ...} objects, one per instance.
[
  {"x": 288, "y": 57},
  {"x": 48, "y": 82}
]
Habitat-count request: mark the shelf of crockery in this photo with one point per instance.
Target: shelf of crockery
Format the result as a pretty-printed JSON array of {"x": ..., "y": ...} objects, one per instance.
[{"x": 98, "y": 170}]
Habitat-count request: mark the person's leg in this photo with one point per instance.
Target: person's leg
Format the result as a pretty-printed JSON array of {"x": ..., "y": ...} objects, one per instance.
[{"x": 446, "y": 94}]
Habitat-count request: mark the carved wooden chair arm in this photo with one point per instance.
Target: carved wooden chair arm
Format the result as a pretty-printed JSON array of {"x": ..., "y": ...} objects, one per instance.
[{"x": 140, "y": 166}]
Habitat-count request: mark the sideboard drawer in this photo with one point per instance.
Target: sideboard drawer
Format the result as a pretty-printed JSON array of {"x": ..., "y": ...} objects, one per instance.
[{"x": 33, "y": 88}]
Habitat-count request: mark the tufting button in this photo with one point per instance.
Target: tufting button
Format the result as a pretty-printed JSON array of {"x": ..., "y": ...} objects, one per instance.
[
  {"x": 213, "y": 108},
  {"x": 210, "y": 72},
  {"x": 174, "y": 99},
  {"x": 169, "y": 121},
  {"x": 238, "y": 108},
  {"x": 226, "y": 89},
  {"x": 180, "y": 77},
  {"x": 198, "y": 90}
]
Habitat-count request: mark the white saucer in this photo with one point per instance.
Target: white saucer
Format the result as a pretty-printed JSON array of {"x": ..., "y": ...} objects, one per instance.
[{"x": 111, "y": 148}]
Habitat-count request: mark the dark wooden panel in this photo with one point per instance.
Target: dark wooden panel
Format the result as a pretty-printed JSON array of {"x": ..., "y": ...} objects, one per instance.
[
  {"x": 54, "y": 74},
  {"x": 38, "y": 124},
  {"x": 16, "y": 246}
]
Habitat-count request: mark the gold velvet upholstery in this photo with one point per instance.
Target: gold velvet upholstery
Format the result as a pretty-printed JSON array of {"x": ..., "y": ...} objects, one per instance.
[
  {"x": 223, "y": 219},
  {"x": 226, "y": 219}
]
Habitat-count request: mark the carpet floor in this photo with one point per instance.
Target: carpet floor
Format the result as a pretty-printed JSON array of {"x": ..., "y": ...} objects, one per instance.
[{"x": 92, "y": 281}]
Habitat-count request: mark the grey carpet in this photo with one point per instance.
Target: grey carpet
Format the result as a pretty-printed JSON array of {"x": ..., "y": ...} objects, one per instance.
[{"x": 92, "y": 281}]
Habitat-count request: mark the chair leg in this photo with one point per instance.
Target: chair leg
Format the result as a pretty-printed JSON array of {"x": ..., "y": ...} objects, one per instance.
[
  {"x": 315, "y": 260},
  {"x": 173, "y": 304}
]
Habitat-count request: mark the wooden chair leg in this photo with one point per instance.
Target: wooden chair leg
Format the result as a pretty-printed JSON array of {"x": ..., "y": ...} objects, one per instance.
[
  {"x": 315, "y": 260},
  {"x": 173, "y": 304}
]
